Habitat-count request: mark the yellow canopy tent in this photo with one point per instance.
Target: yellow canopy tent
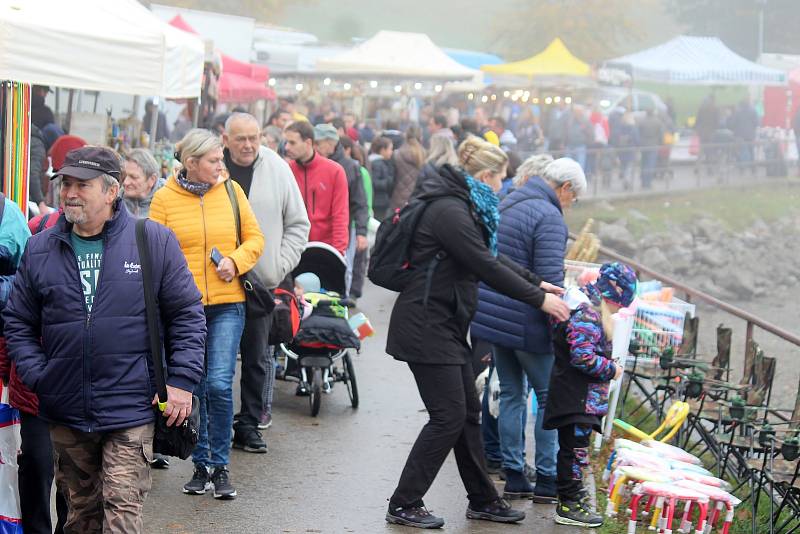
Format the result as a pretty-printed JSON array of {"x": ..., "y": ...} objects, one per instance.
[{"x": 554, "y": 63}]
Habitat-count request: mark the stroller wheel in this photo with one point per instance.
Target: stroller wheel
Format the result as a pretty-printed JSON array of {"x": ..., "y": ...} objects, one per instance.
[
  {"x": 350, "y": 379},
  {"x": 315, "y": 398}
]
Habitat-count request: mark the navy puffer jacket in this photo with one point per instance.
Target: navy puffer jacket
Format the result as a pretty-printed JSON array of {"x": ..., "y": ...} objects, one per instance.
[
  {"x": 533, "y": 233},
  {"x": 94, "y": 372}
]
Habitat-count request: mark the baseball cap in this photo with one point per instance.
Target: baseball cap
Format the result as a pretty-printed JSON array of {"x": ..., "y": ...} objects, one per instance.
[
  {"x": 89, "y": 162},
  {"x": 325, "y": 131}
]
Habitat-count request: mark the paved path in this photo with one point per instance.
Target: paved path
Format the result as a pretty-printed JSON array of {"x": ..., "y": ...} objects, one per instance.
[{"x": 333, "y": 473}]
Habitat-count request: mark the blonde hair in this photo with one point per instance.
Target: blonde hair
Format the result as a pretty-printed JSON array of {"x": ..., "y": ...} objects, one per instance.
[
  {"x": 196, "y": 144},
  {"x": 476, "y": 155},
  {"x": 442, "y": 151}
]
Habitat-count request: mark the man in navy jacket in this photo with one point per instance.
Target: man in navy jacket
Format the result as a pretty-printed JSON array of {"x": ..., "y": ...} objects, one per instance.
[
  {"x": 532, "y": 232},
  {"x": 76, "y": 329}
]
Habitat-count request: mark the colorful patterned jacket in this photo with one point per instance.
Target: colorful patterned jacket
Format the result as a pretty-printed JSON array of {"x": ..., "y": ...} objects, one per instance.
[{"x": 583, "y": 368}]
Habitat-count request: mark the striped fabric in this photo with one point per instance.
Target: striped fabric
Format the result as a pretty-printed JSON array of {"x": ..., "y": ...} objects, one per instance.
[{"x": 690, "y": 60}]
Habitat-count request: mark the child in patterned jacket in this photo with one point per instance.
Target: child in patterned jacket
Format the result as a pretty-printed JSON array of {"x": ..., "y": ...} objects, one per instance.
[{"x": 578, "y": 391}]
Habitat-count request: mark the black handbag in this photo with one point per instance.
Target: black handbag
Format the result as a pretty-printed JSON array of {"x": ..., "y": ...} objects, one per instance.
[
  {"x": 177, "y": 440},
  {"x": 259, "y": 301}
]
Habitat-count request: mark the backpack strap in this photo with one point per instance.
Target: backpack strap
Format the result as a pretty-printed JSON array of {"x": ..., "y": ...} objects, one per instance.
[
  {"x": 151, "y": 309},
  {"x": 43, "y": 222}
]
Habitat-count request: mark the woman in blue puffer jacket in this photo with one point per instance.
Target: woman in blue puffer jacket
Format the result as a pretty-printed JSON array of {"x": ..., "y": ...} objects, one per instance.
[{"x": 532, "y": 232}]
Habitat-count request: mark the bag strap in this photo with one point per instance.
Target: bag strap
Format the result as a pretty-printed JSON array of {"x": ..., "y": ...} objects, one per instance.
[
  {"x": 43, "y": 223},
  {"x": 151, "y": 308},
  {"x": 236, "y": 213}
]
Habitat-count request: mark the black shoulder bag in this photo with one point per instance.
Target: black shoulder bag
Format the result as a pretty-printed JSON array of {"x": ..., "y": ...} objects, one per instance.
[
  {"x": 176, "y": 440},
  {"x": 259, "y": 301}
]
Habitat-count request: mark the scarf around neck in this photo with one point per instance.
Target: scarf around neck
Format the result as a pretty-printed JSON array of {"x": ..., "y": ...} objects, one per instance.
[
  {"x": 485, "y": 202},
  {"x": 196, "y": 188}
]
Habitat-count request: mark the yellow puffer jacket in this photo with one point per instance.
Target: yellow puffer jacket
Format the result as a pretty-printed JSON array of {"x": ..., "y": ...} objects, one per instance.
[{"x": 202, "y": 223}]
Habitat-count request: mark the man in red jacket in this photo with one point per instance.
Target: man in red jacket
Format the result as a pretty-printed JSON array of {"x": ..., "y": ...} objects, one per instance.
[{"x": 323, "y": 184}]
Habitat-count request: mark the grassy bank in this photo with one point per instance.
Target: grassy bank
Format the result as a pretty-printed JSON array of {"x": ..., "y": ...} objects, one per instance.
[{"x": 735, "y": 208}]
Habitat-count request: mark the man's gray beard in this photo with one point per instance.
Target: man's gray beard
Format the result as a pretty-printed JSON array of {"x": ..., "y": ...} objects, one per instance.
[{"x": 80, "y": 219}]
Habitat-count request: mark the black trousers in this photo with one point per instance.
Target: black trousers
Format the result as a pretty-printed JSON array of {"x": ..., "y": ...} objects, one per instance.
[
  {"x": 448, "y": 392},
  {"x": 360, "y": 264},
  {"x": 36, "y": 478},
  {"x": 253, "y": 348},
  {"x": 573, "y": 456}
]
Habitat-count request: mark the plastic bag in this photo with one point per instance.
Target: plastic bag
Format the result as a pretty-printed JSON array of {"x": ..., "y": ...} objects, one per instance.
[
  {"x": 10, "y": 522},
  {"x": 494, "y": 394}
]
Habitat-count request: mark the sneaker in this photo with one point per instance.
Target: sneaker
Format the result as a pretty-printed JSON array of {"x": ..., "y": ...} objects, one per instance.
[
  {"x": 413, "y": 516},
  {"x": 577, "y": 513},
  {"x": 545, "y": 491},
  {"x": 159, "y": 461},
  {"x": 494, "y": 468},
  {"x": 249, "y": 440},
  {"x": 301, "y": 391},
  {"x": 265, "y": 422},
  {"x": 200, "y": 481},
  {"x": 221, "y": 481},
  {"x": 498, "y": 511},
  {"x": 517, "y": 486}
]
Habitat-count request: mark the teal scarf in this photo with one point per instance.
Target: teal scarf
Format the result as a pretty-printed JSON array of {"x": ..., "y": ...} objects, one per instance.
[{"x": 485, "y": 202}]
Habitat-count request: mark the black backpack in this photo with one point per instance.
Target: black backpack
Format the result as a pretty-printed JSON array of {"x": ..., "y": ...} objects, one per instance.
[{"x": 389, "y": 263}]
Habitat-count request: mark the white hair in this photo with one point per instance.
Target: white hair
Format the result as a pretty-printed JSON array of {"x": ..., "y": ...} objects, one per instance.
[
  {"x": 564, "y": 170},
  {"x": 533, "y": 166}
]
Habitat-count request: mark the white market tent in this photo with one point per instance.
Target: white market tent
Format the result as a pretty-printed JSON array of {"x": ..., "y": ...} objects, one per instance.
[
  {"x": 98, "y": 45},
  {"x": 687, "y": 60},
  {"x": 397, "y": 55}
]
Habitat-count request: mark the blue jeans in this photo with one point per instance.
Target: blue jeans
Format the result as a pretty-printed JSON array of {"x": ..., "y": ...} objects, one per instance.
[
  {"x": 225, "y": 323},
  {"x": 516, "y": 369}
]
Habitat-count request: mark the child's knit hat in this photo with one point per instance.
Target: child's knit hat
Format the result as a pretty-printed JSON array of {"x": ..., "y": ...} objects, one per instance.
[{"x": 617, "y": 284}]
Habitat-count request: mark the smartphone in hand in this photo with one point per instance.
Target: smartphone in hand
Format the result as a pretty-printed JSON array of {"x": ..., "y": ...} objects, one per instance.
[{"x": 216, "y": 256}]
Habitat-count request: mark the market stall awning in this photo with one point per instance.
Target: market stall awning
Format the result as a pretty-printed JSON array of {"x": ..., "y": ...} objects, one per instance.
[
  {"x": 97, "y": 45},
  {"x": 687, "y": 60},
  {"x": 396, "y": 55},
  {"x": 554, "y": 61},
  {"x": 239, "y": 81}
]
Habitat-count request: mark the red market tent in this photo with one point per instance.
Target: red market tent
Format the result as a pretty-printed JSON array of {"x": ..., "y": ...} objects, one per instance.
[{"x": 239, "y": 81}]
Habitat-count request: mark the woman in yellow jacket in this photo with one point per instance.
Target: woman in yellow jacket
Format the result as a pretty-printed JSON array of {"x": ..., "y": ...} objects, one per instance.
[{"x": 196, "y": 206}]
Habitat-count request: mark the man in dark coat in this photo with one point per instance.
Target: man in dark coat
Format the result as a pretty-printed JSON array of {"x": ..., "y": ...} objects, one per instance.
[{"x": 76, "y": 330}]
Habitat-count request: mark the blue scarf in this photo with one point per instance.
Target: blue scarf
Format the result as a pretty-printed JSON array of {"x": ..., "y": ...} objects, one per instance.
[
  {"x": 196, "y": 188},
  {"x": 485, "y": 202}
]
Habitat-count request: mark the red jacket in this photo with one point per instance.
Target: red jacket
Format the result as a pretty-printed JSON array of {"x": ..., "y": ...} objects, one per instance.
[
  {"x": 19, "y": 396},
  {"x": 323, "y": 184}
]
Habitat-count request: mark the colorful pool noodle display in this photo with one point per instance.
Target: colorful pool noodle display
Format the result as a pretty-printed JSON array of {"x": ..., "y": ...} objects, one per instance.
[
  {"x": 15, "y": 108},
  {"x": 658, "y": 326}
]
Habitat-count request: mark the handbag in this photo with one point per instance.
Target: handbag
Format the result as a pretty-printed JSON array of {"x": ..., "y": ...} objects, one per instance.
[
  {"x": 259, "y": 301},
  {"x": 176, "y": 440}
]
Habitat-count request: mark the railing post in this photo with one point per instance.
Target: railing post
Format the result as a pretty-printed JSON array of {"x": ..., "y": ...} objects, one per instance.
[{"x": 748, "y": 337}]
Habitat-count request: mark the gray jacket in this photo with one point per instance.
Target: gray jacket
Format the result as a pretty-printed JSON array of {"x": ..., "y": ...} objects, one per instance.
[{"x": 281, "y": 214}]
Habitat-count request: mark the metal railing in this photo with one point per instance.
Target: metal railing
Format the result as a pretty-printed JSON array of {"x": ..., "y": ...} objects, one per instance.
[
  {"x": 612, "y": 169},
  {"x": 693, "y": 294}
]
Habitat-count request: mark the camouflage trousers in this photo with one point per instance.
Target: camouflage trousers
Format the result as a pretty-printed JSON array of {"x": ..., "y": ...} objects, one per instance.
[{"x": 105, "y": 477}]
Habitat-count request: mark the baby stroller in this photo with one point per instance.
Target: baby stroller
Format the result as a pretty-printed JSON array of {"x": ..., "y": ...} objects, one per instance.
[{"x": 319, "y": 355}]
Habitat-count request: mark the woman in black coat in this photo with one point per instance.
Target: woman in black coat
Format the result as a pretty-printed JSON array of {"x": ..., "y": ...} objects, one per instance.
[{"x": 429, "y": 324}]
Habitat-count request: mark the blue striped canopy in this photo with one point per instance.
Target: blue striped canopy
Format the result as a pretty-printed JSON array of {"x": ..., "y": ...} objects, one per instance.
[{"x": 687, "y": 60}]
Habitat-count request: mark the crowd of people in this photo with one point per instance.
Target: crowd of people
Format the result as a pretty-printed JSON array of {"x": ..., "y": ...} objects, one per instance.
[{"x": 246, "y": 199}]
